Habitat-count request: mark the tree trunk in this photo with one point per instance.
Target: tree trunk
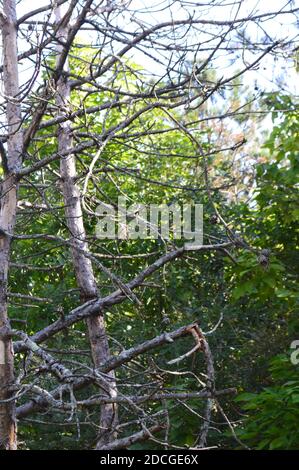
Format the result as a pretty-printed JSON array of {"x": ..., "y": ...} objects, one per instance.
[
  {"x": 82, "y": 265},
  {"x": 11, "y": 162}
]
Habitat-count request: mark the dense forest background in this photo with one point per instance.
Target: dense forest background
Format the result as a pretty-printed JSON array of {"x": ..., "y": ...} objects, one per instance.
[{"x": 141, "y": 343}]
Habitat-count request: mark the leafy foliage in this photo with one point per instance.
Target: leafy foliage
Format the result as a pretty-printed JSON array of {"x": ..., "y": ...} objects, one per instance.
[{"x": 273, "y": 413}]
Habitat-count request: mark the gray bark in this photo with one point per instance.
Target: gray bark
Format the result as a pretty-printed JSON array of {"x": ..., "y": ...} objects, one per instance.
[
  {"x": 11, "y": 162},
  {"x": 82, "y": 265}
]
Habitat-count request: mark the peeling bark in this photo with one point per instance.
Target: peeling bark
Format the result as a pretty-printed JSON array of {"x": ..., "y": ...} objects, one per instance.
[
  {"x": 11, "y": 162},
  {"x": 82, "y": 265}
]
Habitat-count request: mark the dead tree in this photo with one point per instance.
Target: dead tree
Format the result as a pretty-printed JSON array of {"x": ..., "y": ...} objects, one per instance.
[
  {"x": 11, "y": 162},
  {"x": 103, "y": 80},
  {"x": 74, "y": 219}
]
